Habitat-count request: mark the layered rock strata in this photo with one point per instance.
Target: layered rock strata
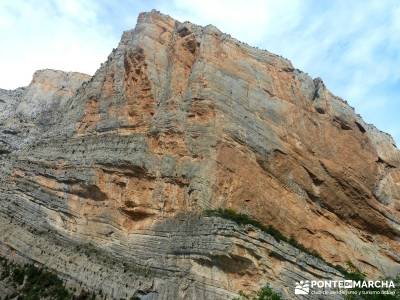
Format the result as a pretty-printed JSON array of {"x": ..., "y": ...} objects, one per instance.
[{"x": 104, "y": 178}]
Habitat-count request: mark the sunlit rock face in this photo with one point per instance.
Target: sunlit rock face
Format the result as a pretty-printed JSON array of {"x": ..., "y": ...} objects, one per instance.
[{"x": 104, "y": 179}]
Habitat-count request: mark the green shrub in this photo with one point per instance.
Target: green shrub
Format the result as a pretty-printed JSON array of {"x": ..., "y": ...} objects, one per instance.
[
  {"x": 34, "y": 283},
  {"x": 18, "y": 275},
  {"x": 350, "y": 273},
  {"x": 265, "y": 293},
  {"x": 243, "y": 219}
]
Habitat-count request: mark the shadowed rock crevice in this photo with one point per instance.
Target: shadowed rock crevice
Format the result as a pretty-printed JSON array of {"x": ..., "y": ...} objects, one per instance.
[
  {"x": 229, "y": 264},
  {"x": 89, "y": 191}
]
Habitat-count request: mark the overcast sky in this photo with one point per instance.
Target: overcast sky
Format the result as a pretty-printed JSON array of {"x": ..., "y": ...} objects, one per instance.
[{"x": 353, "y": 45}]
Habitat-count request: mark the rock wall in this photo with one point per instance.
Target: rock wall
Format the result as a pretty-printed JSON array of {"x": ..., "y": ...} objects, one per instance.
[{"x": 104, "y": 178}]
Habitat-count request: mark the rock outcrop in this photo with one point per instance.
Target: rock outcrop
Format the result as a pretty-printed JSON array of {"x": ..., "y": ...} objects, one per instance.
[{"x": 104, "y": 179}]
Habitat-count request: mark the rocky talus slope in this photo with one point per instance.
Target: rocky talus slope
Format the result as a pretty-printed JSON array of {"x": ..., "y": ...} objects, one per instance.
[{"x": 104, "y": 179}]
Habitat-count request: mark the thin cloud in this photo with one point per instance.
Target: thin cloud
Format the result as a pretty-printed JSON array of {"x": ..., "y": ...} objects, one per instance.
[
  {"x": 353, "y": 45},
  {"x": 246, "y": 20},
  {"x": 50, "y": 34}
]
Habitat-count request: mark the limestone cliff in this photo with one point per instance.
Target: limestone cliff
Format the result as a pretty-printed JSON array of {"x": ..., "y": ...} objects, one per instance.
[{"x": 104, "y": 179}]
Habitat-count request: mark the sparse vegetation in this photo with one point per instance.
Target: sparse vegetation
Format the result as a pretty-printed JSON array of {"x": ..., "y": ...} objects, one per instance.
[
  {"x": 33, "y": 283},
  {"x": 243, "y": 219},
  {"x": 265, "y": 293},
  {"x": 352, "y": 273}
]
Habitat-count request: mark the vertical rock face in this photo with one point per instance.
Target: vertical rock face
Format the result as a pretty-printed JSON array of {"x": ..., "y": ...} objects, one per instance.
[
  {"x": 104, "y": 179},
  {"x": 26, "y": 113}
]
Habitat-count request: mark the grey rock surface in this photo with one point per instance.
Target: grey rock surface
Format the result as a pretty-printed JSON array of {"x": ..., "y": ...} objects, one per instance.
[{"x": 104, "y": 179}]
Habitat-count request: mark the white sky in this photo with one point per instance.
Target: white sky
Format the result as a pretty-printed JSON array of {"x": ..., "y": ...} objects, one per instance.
[{"x": 353, "y": 45}]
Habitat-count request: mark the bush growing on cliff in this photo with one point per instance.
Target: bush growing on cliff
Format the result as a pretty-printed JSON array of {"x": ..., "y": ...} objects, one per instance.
[
  {"x": 379, "y": 295},
  {"x": 265, "y": 293},
  {"x": 243, "y": 219},
  {"x": 33, "y": 283},
  {"x": 352, "y": 273}
]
